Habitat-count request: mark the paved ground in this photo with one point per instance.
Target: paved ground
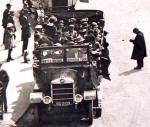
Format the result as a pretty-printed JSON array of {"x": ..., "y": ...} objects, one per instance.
[{"x": 126, "y": 97}]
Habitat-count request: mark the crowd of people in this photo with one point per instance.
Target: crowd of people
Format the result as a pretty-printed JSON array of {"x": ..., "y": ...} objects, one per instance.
[
  {"x": 53, "y": 30},
  {"x": 73, "y": 31}
]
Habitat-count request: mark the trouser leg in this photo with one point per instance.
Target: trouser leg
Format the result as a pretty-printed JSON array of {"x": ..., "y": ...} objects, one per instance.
[
  {"x": 25, "y": 45},
  {"x": 9, "y": 54},
  {"x": 140, "y": 62},
  {"x": 5, "y": 101}
]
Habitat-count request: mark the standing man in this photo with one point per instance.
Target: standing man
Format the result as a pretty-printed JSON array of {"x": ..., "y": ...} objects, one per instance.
[
  {"x": 139, "y": 49},
  {"x": 26, "y": 34},
  {"x": 6, "y": 15}
]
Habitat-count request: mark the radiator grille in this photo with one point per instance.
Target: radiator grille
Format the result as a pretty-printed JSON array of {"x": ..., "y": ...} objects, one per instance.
[{"x": 62, "y": 94}]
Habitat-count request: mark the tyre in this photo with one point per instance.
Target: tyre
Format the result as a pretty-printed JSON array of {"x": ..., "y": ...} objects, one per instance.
[
  {"x": 90, "y": 120},
  {"x": 98, "y": 112},
  {"x": 35, "y": 115}
]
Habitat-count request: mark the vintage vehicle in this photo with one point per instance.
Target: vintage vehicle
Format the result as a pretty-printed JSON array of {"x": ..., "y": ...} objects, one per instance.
[
  {"x": 66, "y": 79},
  {"x": 65, "y": 82}
]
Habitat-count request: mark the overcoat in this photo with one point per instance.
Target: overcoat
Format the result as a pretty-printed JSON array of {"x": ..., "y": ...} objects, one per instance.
[
  {"x": 9, "y": 38},
  {"x": 139, "y": 49},
  {"x": 5, "y": 18}
]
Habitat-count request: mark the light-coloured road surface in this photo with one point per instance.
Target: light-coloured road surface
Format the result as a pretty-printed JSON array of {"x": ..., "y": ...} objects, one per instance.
[{"x": 126, "y": 99}]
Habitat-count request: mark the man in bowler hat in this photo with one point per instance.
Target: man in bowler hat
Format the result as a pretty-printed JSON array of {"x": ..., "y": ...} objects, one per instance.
[{"x": 139, "y": 49}]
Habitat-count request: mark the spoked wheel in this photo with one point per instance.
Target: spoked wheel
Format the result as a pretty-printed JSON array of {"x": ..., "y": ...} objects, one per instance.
[{"x": 90, "y": 120}]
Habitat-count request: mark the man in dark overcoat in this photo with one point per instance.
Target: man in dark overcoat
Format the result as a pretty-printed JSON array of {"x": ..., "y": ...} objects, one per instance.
[
  {"x": 139, "y": 49},
  {"x": 6, "y": 15},
  {"x": 26, "y": 34}
]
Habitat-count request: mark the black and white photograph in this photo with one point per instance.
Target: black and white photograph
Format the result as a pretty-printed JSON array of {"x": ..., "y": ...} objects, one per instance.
[{"x": 74, "y": 63}]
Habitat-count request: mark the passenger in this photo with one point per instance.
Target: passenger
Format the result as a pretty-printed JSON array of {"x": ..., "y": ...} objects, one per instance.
[
  {"x": 71, "y": 34},
  {"x": 83, "y": 29},
  {"x": 38, "y": 31},
  {"x": 90, "y": 38},
  {"x": 9, "y": 39},
  {"x": 83, "y": 32},
  {"x": 94, "y": 27},
  {"x": 73, "y": 21},
  {"x": 4, "y": 80},
  {"x": 60, "y": 32},
  {"x": 40, "y": 14},
  {"x": 60, "y": 26},
  {"x": 105, "y": 59},
  {"x": 50, "y": 28},
  {"x": 40, "y": 38}
]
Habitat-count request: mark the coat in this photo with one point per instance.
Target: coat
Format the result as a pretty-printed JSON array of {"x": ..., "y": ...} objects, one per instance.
[
  {"x": 9, "y": 38},
  {"x": 5, "y": 18},
  {"x": 26, "y": 32},
  {"x": 139, "y": 49}
]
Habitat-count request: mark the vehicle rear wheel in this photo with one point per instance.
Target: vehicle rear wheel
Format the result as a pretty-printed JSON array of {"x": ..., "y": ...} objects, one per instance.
[{"x": 90, "y": 120}]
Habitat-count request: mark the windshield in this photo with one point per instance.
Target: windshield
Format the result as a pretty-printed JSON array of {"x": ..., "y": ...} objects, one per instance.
[
  {"x": 76, "y": 54},
  {"x": 52, "y": 56},
  {"x": 61, "y": 55}
]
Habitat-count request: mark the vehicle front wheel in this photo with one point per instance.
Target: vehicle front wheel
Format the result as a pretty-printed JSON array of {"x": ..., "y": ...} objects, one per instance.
[
  {"x": 90, "y": 120},
  {"x": 98, "y": 112}
]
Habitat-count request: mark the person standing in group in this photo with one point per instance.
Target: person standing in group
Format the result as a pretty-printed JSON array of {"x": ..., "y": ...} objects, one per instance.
[
  {"x": 9, "y": 39},
  {"x": 4, "y": 80},
  {"x": 26, "y": 34},
  {"x": 6, "y": 15},
  {"x": 139, "y": 49}
]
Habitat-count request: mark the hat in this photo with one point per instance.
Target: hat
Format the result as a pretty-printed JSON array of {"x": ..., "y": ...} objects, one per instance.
[
  {"x": 84, "y": 20},
  {"x": 61, "y": 21},
  {"x": 38, "y": 26},
  {"x": 94, "y": 24},
  {"x": 9, "y": 25},
  {"x": 83, "y": 30},
  {"x": 52, "y": 19},
  {"x": 71, "y": 26},
  {"x": 72, "y": 20},
  {"x": 8, "y": 5},
  {"x": 105, "y": 32},
  {"x": 135, "y": 29}
]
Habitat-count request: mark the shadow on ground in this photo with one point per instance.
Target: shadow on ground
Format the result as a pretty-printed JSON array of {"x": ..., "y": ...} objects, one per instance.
[
  {"x": 126, "y": 73},
  {"x": 21, "y": 105}
]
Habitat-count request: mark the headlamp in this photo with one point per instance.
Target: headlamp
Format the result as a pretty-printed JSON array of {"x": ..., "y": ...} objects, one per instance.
[
  {"x": 47, "y": 99},
  {"x": 78, "y": 98}
]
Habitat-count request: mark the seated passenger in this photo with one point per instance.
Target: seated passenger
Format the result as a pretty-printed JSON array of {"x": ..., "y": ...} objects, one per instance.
[
  {"x": 71, "y": 34},
  {"x": 105, "y": 59},
  {"x": 40, "y": 38},
  {"x": 50, "y": 28}
]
